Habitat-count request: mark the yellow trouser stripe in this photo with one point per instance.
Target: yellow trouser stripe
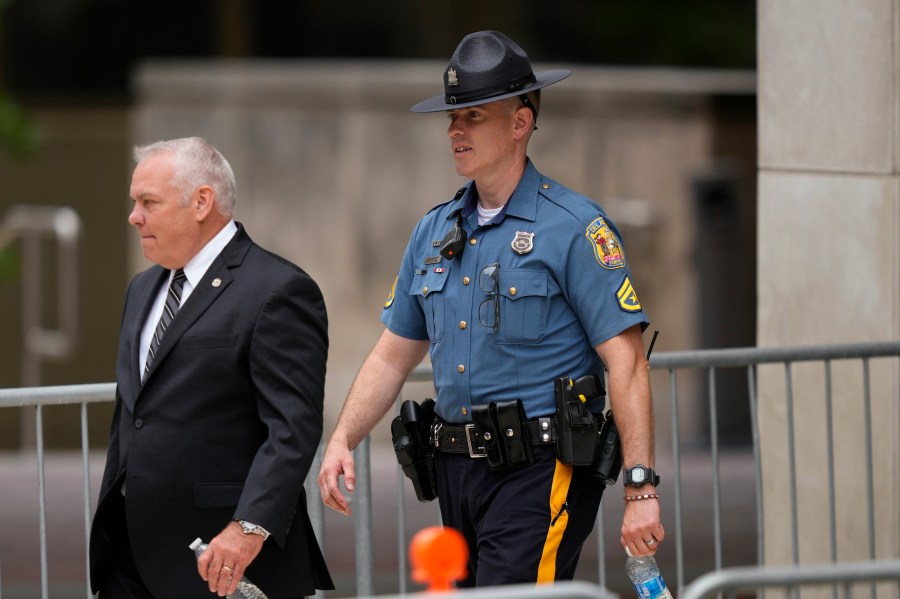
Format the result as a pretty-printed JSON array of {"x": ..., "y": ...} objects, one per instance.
[{"x": 562, "y": 479}]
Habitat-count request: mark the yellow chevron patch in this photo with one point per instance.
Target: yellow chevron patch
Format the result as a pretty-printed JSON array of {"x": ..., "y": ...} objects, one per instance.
[
  {"x": 390, "y": 298},
  {"x": 627, "y": 297}
]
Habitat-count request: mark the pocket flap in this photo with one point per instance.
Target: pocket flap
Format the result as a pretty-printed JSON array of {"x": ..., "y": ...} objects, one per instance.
[
  {"x": 516, "y": 283},
  {"x": 429, "y": 282}
]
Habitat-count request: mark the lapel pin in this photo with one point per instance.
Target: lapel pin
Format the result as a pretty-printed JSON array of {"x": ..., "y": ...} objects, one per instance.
[{"x": 216, "y": 282}]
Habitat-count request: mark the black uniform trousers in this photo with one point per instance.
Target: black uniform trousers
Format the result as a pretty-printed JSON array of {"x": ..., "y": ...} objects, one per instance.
[{"x": 522, "y": 525}]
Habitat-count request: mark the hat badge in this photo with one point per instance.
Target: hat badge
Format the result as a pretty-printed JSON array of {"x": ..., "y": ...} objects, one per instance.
[{"x": 451, "y": 77}]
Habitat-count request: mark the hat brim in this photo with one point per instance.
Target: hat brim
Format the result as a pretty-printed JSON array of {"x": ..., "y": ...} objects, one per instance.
[{"x": 543, "y": 79}]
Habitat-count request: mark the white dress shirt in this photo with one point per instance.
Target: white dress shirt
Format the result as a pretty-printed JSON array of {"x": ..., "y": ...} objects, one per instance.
[{"x": 194, "y": 271}]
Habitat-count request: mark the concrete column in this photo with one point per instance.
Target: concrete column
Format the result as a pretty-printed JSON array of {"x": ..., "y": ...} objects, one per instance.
[{"x": 829, "y": 265}]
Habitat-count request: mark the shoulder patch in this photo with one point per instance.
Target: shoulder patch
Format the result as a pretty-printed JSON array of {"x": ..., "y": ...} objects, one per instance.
[
  {"x": 390, "y": 298},
  {"x": 627, "y": 297},
  {"x": 607, "y": 249}
]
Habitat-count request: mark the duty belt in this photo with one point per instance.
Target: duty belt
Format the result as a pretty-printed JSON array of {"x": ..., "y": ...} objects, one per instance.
[{"x": 466, "y": 439}]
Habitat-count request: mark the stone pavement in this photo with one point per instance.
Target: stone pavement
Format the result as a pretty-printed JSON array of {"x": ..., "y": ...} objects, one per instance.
[{"x": 19, "y": 525}]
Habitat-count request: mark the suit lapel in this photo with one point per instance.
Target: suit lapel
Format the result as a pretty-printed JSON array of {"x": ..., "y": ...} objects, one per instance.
[
  {"x": 217, "y": 278},
  {"x": 143, "y": 295}
]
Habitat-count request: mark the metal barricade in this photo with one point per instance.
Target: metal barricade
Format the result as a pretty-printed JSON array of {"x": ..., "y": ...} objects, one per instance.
[
  {"x": 709, "y": 361},
  {"x": 734, "y": 580},
  {"x": 561, "y": 590},
  {"x": 38, "y": 398}
]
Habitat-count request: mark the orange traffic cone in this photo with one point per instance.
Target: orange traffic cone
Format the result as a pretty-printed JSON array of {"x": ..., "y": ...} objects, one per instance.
[{"x": 438, "y": 556}]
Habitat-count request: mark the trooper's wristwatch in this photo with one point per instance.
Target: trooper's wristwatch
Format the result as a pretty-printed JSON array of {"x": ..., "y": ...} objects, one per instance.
[
  {"x": 639, "y": 475},
  {"x": 249, "y": 528}
]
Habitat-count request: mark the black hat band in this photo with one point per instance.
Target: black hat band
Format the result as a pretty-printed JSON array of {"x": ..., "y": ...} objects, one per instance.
[{"x": 489, "y": 92}]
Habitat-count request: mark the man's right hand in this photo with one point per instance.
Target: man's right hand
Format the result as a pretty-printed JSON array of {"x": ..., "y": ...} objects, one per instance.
[{"x": 337, "y": 462}]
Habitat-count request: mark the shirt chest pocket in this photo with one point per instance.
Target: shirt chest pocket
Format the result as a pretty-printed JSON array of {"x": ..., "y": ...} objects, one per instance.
[
  {"x": 429, "y": 290},
  {"x": 523, "y": 310}
]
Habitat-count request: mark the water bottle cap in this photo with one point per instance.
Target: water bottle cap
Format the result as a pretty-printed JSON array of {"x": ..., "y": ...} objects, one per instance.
[{"x": 196, "y": 543}]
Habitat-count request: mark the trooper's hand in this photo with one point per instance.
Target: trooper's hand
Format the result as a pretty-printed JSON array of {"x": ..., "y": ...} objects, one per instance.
[
  {"x": 337, "y": 462},
  {"x": 642, "y": 531}
]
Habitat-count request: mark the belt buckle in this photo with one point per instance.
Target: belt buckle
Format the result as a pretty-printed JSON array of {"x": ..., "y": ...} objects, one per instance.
[{"x": 470, "y": 429}]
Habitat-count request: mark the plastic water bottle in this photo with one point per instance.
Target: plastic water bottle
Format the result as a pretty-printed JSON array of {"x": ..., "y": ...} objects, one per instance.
[
  {"x": 645, "y": 576},
  {"x": 245, "y": 588}
]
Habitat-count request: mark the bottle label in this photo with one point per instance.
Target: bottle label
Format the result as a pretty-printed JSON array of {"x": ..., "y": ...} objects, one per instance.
[{"x": 654, "y": 588}]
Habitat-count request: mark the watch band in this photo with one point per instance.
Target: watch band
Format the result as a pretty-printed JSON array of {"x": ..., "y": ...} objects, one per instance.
[{"x": 249, "y": 528}]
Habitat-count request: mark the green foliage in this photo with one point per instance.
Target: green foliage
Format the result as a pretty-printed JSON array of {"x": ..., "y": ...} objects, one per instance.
[
  {"x": 17, "y": 133},
  {"x": 10, "y": 263}
]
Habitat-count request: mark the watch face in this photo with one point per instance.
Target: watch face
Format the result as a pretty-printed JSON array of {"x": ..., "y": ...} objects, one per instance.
[{"x": 638, "y": 475}]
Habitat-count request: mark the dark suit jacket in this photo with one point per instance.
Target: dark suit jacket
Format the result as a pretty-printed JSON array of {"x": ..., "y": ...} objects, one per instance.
[{"x": 225, "y": 425}]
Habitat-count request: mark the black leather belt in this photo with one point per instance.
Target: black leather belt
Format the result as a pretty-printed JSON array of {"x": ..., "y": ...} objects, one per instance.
[{"x": 466, "y": 439}]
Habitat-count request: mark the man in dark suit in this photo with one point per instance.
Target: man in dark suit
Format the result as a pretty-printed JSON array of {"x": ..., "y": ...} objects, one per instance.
[{"x": 220, "y": 386}]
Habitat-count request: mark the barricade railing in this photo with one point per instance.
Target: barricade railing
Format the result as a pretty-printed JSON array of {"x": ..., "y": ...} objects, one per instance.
[
  {"x": 712, "y": 362},
  {"x": 709, "y": 361},
  {"x": 561, "y": 590},
  {"x": 731, "y": 581}
]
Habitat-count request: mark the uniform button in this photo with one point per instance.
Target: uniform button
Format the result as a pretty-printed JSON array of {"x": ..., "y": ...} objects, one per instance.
[
  {"x": 473, "y": 241},
  {"x": 513, "y": 291},
  {"x": 462, "y": 324},
  {"x": 138, "y": 423},
  {"x": 545, "y": 186},
  {"x": 461, "y": 368},
  {"x": 465, "y": 280},
  {"x": 464, "y": 411},
  {"x": 424, "y": 290}
]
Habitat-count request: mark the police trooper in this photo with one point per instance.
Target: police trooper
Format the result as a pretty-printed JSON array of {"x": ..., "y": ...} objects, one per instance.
[{"x": 514, "y": 282}]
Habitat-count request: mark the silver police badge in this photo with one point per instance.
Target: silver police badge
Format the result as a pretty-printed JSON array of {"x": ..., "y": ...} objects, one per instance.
[
  {"x": 451, "y": 77},
  {"x": 523, "y": 242}
]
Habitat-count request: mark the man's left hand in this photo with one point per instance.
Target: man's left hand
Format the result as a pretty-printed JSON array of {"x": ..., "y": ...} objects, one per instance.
[{"x": 223, "y": 563}]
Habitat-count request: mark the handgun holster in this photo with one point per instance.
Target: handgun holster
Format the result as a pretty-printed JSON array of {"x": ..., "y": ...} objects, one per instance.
[{"x": 411, "y": 436}]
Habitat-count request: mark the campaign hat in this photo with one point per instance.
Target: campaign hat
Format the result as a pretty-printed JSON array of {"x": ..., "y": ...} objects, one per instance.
[{"x": 485, "y": 67}]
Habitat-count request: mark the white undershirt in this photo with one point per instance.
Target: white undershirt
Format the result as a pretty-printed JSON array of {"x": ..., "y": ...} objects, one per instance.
[
  {"x": 485, "y": 215},
  {"x": 193, "y": 271}
]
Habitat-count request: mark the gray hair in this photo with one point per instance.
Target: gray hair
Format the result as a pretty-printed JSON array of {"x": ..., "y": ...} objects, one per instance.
[{"x": 196, "y": 163}]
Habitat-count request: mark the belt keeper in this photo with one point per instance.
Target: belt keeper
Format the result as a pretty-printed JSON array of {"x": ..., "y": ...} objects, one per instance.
[
  {"x": 640, "y": 497},
  {"x": 546, "y": 432}
]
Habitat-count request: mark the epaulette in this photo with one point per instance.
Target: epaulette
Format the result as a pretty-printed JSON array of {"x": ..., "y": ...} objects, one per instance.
[{"x": 579, "y": 206}]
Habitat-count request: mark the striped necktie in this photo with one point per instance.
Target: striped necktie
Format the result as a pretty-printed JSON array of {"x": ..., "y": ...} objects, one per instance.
[{"x": 173, "y": 302}]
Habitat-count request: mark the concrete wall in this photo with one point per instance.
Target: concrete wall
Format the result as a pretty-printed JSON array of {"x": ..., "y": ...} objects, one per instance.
[
  {"x": 333, "y": 172},
  {"x": 829, "y": 258}
]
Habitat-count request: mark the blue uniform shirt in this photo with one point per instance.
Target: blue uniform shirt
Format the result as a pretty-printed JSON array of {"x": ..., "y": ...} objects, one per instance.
[{"x": 562, "y": 287}]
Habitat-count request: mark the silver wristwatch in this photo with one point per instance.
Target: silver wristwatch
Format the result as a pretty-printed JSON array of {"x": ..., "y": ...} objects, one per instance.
[{"x": 249, "y": 528}]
